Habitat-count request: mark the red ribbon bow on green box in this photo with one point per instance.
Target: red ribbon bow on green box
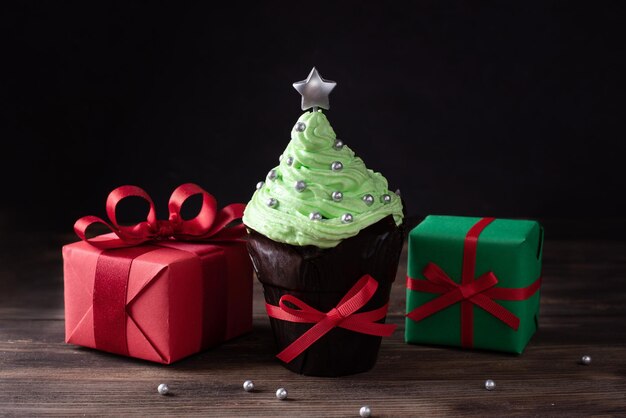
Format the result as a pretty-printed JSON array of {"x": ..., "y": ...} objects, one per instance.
[{"x": 471, "y": 291}]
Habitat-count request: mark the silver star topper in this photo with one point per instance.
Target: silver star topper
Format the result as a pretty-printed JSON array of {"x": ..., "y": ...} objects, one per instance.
[{"x": 314, "y": 91}]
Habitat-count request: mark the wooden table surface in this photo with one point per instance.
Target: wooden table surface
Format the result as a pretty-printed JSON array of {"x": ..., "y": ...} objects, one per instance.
[{"x": 583, "y": 311}]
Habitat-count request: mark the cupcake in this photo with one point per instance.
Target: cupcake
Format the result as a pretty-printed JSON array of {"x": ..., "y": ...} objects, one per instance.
[{"x": 319, "y": 222}]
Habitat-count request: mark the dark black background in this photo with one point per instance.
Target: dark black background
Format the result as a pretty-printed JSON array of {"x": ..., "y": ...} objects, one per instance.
[{"x": 478, "y": 108}]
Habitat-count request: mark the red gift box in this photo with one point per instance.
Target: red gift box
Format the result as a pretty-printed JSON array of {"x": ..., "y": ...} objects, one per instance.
[{"x": 159, "y": 299}]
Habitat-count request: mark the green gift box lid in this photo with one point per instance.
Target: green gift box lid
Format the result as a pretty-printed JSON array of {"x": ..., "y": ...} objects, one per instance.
[{"x": 510, "y": 249}]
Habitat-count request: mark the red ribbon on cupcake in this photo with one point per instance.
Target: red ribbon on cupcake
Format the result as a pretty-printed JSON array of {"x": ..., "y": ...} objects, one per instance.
[{"x": 344, "y": 315}]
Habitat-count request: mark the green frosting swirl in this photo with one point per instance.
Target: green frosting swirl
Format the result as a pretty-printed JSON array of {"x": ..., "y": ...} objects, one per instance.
[{"x": 309, "y": 158}]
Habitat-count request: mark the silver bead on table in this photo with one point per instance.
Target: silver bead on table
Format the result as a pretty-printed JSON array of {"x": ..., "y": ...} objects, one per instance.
[
  {"x": 365, "y": 411},
  {"x": 271, "y": 202},
  {"x": 586, "y": 360},
  {"x": 490, "y": 384},
  {"x": 163, "y": 389},
  {"x": 337, "y": 196},
  {"x": 386, "y": 198},
  {"x": 315, "y": 216},
  {"x": 281, "y": 394},
  {"x": 346, "y": 218},
  {"x": 300, "y": 127},
  {"x": 300, "y": 185},
  {"x": 338, "y": 144},
  {"x": 336, "y": 166},
  {"x": 398, "y": 192},
  {"x": 260, "y": 184},
  {"x": 272, "y": 175},
  {"x": 289, "y": 161},
  {"x": 248, "y": 385},
  {"x": 368, "y": 199}
]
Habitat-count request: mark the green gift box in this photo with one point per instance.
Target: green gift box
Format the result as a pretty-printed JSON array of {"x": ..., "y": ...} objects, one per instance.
[{"x": 474, "y": 282}]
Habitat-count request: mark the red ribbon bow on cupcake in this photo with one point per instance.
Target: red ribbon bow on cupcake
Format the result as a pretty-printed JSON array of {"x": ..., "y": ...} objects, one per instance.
[
  {"x": 209, "y": 223},
  {"x": 343, "y": 315}
]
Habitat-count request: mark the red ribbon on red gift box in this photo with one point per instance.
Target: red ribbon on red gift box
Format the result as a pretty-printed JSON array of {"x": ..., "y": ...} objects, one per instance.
[
  {"x": 472, "y": 291},
  {"x": 343, "y": 315},
  {"x": 113, "y": 266},
  {"x": 209, "y": 224}
]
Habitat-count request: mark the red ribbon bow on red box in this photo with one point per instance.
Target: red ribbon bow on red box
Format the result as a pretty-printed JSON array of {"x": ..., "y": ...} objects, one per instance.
[
  {"x": 113, "y": 268},
  {"x": 208, "y": 224},
  {"x": 343, "y": 315},
  {"x": 480, "y": 291}
]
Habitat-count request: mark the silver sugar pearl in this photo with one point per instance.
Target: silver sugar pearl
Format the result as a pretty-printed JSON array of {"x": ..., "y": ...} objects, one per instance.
[
  {"x": 586, "y": 360},
  {"x": 281, "y": 394},
  {"x": 490, "y": 384},
  {"x": 300, "y": 185},
  {"x": 385, "y": 198},
  {"x": 300, "y": 127},
  {"x": 368, "y": 199},
  {"x": 271, "y": 202},
  {"x": 259, "y": 185},
  {"x": 338, "y": 144},
  {"x": 336, "y": 166},
  {"x": 346, "y": 218},
  {"x": 272, "y": 175},
  {"x": 163, "y": 389},
  {"x": 315, "y": 216},
  {"x": 365, "y": 411},
  {"x": 337, "y": 196},
  {"x": 248, "y": 385},
  {"x": 398, "y": 192},
  {"x": 289, "y": 161}
]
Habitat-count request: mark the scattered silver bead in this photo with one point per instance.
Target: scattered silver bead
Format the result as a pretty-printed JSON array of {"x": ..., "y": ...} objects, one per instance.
[
  {"x": 490, "y": 384},
  {"x": 365, "y": 411},
  {"x": 336, "y": 166},
  {"x": 337, "y": 196},
  {"x": 315, "y": 216},
  {"x": 368, "y": 199},
  {"x": 248, "y": 385},
  {"x": 272, "y": 175},
  {"x": 385, "y": 198},
  {"x": 259, "y": 185},
  {"x": 346, "y": 218},
  {"x": 586, "y": 360},
  {"x": 398, "y": 192},
  {"x": 280, "y": 157},
  {"x": 289, "y": 161},
  {"x": 281, "y": 394},
  {"x": 338, "y": 144},
  {"x": 271, "y": 202},
  {"x": 300, "y": 185},
  {"x": 300, "y": 127},
  {"x": 163, "y": 389}
]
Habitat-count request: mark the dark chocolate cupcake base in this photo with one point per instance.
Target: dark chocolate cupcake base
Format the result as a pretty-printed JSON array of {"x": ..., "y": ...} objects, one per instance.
[{"x": 321, "y": 278}]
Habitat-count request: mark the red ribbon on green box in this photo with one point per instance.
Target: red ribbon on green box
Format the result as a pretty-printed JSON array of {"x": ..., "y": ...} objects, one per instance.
[{"x": 471, "y": 291}]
